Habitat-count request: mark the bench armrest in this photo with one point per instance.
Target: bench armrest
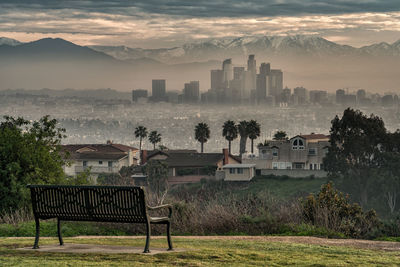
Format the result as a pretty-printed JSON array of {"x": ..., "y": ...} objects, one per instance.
[{"x": 169, "y": 206}]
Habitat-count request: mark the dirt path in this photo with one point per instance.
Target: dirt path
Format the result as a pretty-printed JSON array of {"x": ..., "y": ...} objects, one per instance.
[{"x": 363, "y": 244}]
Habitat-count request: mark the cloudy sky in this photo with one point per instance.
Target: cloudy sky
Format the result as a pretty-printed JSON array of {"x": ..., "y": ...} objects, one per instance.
[{"x": 166, "y": 23}]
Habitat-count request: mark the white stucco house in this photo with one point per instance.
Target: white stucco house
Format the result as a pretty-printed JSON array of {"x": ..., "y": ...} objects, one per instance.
[{"x": 100, "y": 158}]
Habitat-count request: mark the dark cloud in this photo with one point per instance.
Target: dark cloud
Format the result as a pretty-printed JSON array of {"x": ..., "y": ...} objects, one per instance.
[{"x": 213, "y": 8}]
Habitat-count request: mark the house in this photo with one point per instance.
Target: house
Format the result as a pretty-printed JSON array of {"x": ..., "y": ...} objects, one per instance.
[
  {"x": 302, "y": 152},
  {"x": 189, "y": 165},
  {"x": 239, "y": 172},
  {"x": 100, "y": 158}
]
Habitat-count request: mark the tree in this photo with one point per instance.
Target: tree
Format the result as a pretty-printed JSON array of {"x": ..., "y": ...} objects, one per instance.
[
  {"x": 253, "y": 130},
  {"x": 157, "y": 180},
  {"x": 230, "y": 132},
  {"x": 357, "y": 143},
  {"x": 30, "y": 153},
  {"x": 202, "y": 134},
  {"x": 140, "y": 132},
  {"x": 154, "y": 138},
  {"x": 243, "y": 132},
  {"x": 280, "y": 135}
]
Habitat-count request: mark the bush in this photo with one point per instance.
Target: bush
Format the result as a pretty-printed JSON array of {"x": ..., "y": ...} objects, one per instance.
[{"x": 331, "y": 209}]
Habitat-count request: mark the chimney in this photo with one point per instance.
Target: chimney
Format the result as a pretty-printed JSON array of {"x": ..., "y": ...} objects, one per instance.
[
  {"x": 144, "y": 157},
  {"x": 226, "y": 156}
]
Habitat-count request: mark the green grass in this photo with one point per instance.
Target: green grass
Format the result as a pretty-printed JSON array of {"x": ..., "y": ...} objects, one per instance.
[
  {"x": 49, "y": 228},
  {"x": 278, "y": 186},
  {"x": 199, "y": 253},
  {"x": 284, "y": 187}
]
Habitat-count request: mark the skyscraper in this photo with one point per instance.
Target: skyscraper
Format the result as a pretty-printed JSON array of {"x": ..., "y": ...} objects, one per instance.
[
  {"x": 261, "y": 87},
  {"x": 252, "y": 69},
  {"x": 238, "y": 73},
  {"x": 265, "y": 68},
  {"x": 217, "y": 79},
  {"x": 275, "y": 83},
  {"x": 191, "y": 92},
  {"x": 227, "y": 68},
  {"x": 158, "y": 90}
]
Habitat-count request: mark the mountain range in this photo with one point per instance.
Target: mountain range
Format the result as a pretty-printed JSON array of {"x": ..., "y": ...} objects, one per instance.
[
  {"x": 309, "y": 61},
  {"x": 298, "y": 45}
]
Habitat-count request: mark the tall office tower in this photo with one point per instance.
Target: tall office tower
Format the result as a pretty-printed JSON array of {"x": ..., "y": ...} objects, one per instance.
[
  {"x": 238, "y": 73},
  {"x": 299, "y": 95},
  {"x": 158, "y": 90},
  {"x": 217, "y": 79},
  {"x": 261, "y": 87},
  {"x": 275, "y": 83},
  {"x": 227, "y": 68},
  {"x": 251, "y": 63},
  {"x": 138, "y": 93},
  {"x": 251, "y": 67},
  {"x": 265, "y": 68},
  {"x": 340, "y": 95},
  {"x": 191, "y": 92}
]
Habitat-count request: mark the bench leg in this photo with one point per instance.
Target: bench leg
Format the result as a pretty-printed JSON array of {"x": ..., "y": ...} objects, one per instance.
[
  {"x": 169, "y": 236},
  {"x": 36, "y": 244},
  {"x": 148, "y": 232},
  {"x": 59, "y": 232}
]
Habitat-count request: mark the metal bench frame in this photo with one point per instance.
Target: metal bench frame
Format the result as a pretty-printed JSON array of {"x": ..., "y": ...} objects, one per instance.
[{"x": 122, "y": 204}]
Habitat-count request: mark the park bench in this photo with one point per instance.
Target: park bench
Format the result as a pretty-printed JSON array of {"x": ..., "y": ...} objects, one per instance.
[{"x": 122, "y": 204}]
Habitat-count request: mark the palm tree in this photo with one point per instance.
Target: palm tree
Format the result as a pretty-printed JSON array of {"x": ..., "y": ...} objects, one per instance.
[
  {"x": 154, "y": 138},
  {"x": 140, "y": 132},
  {"x": 230, "y": 132},
  {"x": 280, "y": 135},
  {"x": 242, "y": 129},
  {"x": 253, "y": 130},
  {"x": 202, "y": 134}
]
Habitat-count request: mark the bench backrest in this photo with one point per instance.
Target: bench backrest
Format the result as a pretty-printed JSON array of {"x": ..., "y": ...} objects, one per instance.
[{"x": 89, "y": 203}]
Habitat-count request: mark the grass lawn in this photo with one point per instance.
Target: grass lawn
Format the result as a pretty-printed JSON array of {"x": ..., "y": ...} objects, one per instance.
[
  {"x": 280, "y": 187},
  {"x": 201, "y": 252}
]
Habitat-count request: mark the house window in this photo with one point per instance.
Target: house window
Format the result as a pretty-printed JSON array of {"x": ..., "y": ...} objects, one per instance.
[
  {"x": 298, "y": 166},
  {"x": 100, "y": 162},
  {"x": 298, "y": 144},
  {"x": 275, "y": 152},
  {"x": 310, "y": 166},
  {"x": 321, "y": 166},
  {"x": 275, "y": 165},
  {"x": 264, "y": 151},
  {"x": 315, "y": 166},
  {"x": 110, "y": 163},
  {"x": 240, "y": 171},
  {"x": 84, "y": 163},
  {"x": 312, "y": 151},
  {"x": 232, "y": 171}
]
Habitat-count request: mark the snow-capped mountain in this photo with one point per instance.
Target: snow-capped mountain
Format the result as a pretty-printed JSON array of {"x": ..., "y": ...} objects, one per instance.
[
  {"x": 382, "y": 49},
  {"x": 9, "y": 41},
  {"x": 262, "y": 46}
]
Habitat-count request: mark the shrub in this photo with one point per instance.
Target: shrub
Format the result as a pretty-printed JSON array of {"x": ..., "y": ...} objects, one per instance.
[{"x": 331, "y": 209}]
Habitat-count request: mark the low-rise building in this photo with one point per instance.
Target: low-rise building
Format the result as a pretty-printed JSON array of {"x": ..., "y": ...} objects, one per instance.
[
  {"x": 239, "y": 172},
  {"x": 100, "y": 158},
  {"x": 190, "y": 165}
]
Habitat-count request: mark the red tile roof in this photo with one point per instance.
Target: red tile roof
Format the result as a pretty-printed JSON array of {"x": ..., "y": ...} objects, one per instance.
[{"x": 315, "y": 136}]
